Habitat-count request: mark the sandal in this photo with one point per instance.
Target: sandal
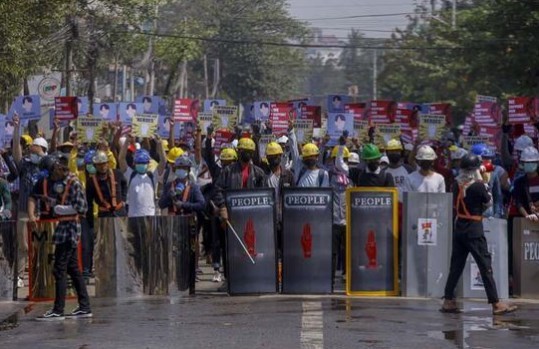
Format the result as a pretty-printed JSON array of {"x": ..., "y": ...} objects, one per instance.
[{"x": 507, "y": 310}]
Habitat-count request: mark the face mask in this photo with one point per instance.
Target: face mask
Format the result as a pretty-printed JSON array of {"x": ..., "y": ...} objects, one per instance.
[
  {"x": 181, "y": 173},
  {"x": 80, "y": 162},
  {"x": 530, "y": 167},
  {"x": 35, "y": 158},
  {"x": 373, "y": 166},
  {"x": 91, "y": 169},
  {"x": 274, "y": 162},
  {"x": 141, "y": 168},
  {"x": 245, "y": 157},
  {"x": 425, "y": 165},
  {"x": 394, "y": 158},
  {"x": 309, "y": 163}
]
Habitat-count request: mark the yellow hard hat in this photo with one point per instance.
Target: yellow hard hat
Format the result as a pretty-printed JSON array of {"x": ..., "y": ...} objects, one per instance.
[
  {"x": 173, "y": 154},
  {"x": 164, "y": 143},
  {"x": 309, "y": 149},
  {"x": 453, "y": 148},
  {"x": 246, "y": 144},
  {"x": 335, "y": 151},
  {"x": 27, "y": 139},
  {"x": 394, "y": 144},
  {"x": 228, "y": 154},
  {"x": 273, "y": 148}
]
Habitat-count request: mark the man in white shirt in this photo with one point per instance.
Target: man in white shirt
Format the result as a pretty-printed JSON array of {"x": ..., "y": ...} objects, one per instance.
[
  {"x": 425, "y": 180},
  {"x": 398, "y": 169},
  {"x": 141, "y": 181}
]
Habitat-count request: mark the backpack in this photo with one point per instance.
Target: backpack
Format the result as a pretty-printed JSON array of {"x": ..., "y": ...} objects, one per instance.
[{"x": 321, "y": 174}]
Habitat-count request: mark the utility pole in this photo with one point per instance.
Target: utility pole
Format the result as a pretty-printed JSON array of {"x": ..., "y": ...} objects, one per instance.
[
  {"x": 374, "y": 75},
  {"x": 454, "y": 15}
]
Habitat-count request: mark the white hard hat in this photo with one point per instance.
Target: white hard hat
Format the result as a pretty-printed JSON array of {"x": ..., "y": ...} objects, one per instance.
[
  {"x": 382, "y": 159},
  {"x": 458, "y": 154},
  {"x": 122, "y": 141},
  {"x": 353, "y": 158},
  {"x": 235, "y": 143},
  {"x": 460, "y": 127},
  {"x": 408, "y": 147},
  {"x": 282, "y": 140},
  {"x": 523, "y": 142},
  {"x": 41, "y": 142},
  {"x": 530, "y": 154},
  {"x": 137, "y": 146},
  {"x": 425, "y": 152}
]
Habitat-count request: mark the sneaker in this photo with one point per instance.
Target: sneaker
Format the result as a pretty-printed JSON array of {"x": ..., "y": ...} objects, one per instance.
[
  {"x": 80, "y": 314},
  {"x": 51, "y": 315},
  {"x": 217, "y": 277},
  {"x": 20, "y": 282}
]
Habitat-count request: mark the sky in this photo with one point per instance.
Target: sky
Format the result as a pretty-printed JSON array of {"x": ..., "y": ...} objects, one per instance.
[{"x": 317, "y": 13}]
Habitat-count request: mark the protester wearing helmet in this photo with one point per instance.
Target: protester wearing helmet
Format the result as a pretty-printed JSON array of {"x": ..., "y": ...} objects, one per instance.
[
  {"x": 373, "y": 176},
  {"x": 497, "y": 182},
  {"x": 181, "y": 195},
  {"x": 526, "y": 188},
  {"x": 471, "y": 197},
  {"x": 286, "y": 158},
  {"x": 425, "y": 180},
  {"x": 397, "y": 168}
]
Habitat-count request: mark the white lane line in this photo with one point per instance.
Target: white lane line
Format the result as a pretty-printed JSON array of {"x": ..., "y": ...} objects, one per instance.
[{"x": 312, "y": 327}]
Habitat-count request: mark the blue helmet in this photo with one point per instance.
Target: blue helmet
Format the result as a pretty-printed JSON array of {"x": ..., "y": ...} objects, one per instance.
[
  {"x": 89, "y": 157},
  {"x": 142, "y": 157},
  {"x": 183, "y": 161},
  {"x": 478, "y": 149}
]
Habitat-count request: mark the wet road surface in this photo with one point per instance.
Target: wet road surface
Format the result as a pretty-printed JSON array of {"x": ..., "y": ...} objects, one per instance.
[{"x": 218, "y": 321}]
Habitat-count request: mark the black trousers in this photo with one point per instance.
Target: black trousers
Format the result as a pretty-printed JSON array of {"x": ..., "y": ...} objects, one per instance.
[
  {"x": 477, "y": 246},
  {"x": 87, "y": 242},
  {"x": 66, "y": 262}
]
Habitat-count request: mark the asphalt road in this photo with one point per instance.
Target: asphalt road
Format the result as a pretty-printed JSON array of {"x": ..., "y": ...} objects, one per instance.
[{"x": 281, "y": 322}]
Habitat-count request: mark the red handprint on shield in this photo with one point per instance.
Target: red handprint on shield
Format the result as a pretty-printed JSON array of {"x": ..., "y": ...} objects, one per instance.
[
  {"x": 307, "y": 240},
  {"x": 249, "y": 236},
  {"x": 370, "y": 249}
]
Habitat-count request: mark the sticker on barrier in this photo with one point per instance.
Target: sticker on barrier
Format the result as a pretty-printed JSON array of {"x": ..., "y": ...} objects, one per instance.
[
  {"x": 252, "y": 217},
  {"x": 307, "y": 240},
  {"x": 372, "y": 242}
]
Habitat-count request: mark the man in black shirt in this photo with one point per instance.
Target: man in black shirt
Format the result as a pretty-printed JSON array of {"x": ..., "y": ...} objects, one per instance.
[
  {"x": 373, "y": 176},
  {"x": 471, "y": 198}
]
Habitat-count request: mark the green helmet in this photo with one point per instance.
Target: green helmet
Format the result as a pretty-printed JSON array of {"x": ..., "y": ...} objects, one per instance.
[{"x": 370, "y": 152}]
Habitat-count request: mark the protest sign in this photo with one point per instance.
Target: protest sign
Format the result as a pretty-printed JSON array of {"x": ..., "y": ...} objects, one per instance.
[
  {"x": 27, "y": 107},
  {"x": 337, "y": 123},
  {"x": 431, "y": 127},
  {"x": 336, "y": 103},
  {"x": 222, "y": 137},
  {"x": 521, "y": 109},
  {"x": 151, "y": 104},
  {"x": 209, "y": 104},
  {"x": 185, "y": 109},
  {"x": 385, "y": 132},
  {"x": 205, "y": 119},
  {"x": 382, "y": 112},
  {"x": 127, "y": 112},
  {"x": 469, "y": 141},
  {"x": 145, "y": 125},
  {"x": 89, "y": 128},
  {"x": 225, "y": 117},
  {"x": 262, "y": 110},
  {"x": 304, "y": 130},
  {"x": 487, "y": 114},
  {"x": 66, "y": 108},
  {"x": 279, "y": 116},
  {"x": 440, "y": 109},
  {"x": 106, "y": 110},
  {"x": 356, "y": 109},
  {"x": 297, "y": 106},
  {"x": 314, "y": 113}
]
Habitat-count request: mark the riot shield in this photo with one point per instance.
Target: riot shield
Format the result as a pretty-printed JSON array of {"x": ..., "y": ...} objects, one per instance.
[{"x": 525, "y": 258}]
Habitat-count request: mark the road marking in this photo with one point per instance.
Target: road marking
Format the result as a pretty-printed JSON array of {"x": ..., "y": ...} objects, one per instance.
[{"x": 312, "y": 327}]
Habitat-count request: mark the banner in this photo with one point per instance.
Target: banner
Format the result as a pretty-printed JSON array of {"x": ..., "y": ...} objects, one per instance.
[
  {"x": 252, "y": 214},
  {"x": 105, "y": 110},
  {"x": 127, "y": 112},
  {"x": 89, "y": 128},
  {"x": 382, "y": 112},
  {"x": 297, "y": 106},
  {"x": 185, "y": 109},
  {"x": 385, "y": 133},
  {"x": 165, "y": 125},
  {"x": 313, "y": 113},
  {"x": 522, "y": 110},
  {"x": 145, "y": 126},
  {"x": 304, "y": 130},
  {"x": 151, "y": 104},
  {"x": 431, "y": 127},
  {"x": 205, "y": 120},
  {"x": 336, "y": 103},
  {"x": 225, "y": 117},
  {"x": 307, "y": 240},
  {"x": 372, "y": 242},
  {"x": 356, "y": 109},
  {"x": 487, "y": 114},
  {"x": 209, "y": 104},
  {"x": 222, "y": 137},
  {"x": 470, "y": 141},
  {"x": 361, "y": 131},
  {"x": 279, "y": 117},
  {"x": 262, "y": 110},
  {"x": 441, "y": 109},
  {"x": 27, "y": 107},
  {"x": 66, "y": 108},
  {"x": 337, "y": 123}
]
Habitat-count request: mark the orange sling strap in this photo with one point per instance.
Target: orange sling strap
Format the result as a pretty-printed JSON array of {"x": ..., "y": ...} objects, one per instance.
[
  {"x": 462, "y": 204},
  {"x": 104, "y": 205},
  {"x": 185, "y": 196},
  {"x": 62, "y": 201}
]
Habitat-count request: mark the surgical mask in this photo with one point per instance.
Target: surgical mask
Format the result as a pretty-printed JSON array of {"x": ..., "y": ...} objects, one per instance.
[
  {"x": 373, "y": 166},
  {"x": 35, "y": 158},
  {"x": 181, "y": 173},
  {"x": 530, "y": 167},
  {"x": 141, "y": 168},
  {"x": 91, "y": 169},
  {"x": 80, "y": 162},
  {"x": 309, "y": 163}
]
